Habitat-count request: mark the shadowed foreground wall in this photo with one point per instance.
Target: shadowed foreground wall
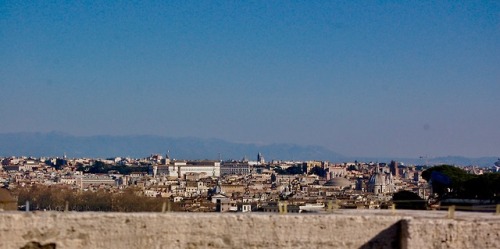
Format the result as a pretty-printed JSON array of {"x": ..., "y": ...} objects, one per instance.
[{"x": 342, "y": 229}]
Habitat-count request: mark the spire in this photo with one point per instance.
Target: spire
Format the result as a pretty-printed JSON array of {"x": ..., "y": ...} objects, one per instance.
[
  {"x": 167, "y": 158},
  {"x": 260, "y": 158}
]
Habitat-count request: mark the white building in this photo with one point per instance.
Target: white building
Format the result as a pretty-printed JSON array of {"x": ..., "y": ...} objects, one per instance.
[{"x": 235, "y": 168}]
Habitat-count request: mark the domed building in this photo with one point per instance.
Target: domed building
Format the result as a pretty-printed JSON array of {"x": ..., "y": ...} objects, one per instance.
[
  {"x": 381, "y": 182},
  {"x": 338, "y": 183}
]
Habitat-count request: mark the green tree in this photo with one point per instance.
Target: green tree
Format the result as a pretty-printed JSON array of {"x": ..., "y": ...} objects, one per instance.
[
  {"x": 484, "y": 187},
  {"x": 294, "y": 170},
  {"x": 456, "y": 176},
  {"x": 408, "y": 200},
  {"x": 319, "y": 171},
  {"x": 463, "y": 184}
]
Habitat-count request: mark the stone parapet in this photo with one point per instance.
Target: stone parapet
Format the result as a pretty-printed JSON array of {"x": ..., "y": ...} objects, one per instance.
[{"x": 341, "y": 229}]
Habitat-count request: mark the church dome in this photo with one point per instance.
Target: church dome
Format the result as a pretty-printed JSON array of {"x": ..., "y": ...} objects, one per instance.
[
  {"x": 377, "y": 179},
  {"x": 381, "y": 182},
  {"x": 338, "y": 182}
]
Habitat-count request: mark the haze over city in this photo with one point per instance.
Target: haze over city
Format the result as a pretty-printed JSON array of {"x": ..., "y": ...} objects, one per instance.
[{"x": 359, "y": 78}]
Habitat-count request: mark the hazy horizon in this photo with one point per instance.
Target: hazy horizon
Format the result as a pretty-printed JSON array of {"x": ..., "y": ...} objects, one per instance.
[
  {"x": 55, "y": 144},
  {"x": 359, "y": 78}
]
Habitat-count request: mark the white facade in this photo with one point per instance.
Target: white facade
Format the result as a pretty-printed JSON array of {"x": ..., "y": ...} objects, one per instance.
[{"x": 180, "y": 169}]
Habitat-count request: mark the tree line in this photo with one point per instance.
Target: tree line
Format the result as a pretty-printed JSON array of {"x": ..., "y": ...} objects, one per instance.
[
  {"x": 450, "y": 182},
  {"x": 100, "y": 167},
  {"x": 55, "y": 198},
  {"x": 454, "y": 182}
]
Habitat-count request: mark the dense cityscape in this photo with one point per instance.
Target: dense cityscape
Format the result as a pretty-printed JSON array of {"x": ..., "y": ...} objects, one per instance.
[
  {"x": 158, "y": 182},
  {"x": 249, "y": 124}
]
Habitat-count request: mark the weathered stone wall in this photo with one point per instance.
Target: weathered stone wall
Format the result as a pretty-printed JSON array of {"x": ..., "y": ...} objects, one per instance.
[
  {"x": 342, "y": 229},
  {"x": 447, "y": 233}
]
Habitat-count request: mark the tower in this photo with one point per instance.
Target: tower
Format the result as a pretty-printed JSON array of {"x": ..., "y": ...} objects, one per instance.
[
  {"x": 260, "y": 159},
  {"x": 155, "y": 171},
  {"x": 394, "y": 169},
  {"x": 167, "y": 158}
]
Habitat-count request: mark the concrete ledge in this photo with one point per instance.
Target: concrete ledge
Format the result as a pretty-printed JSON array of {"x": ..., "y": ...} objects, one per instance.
[{"x": 342, "y": 229}]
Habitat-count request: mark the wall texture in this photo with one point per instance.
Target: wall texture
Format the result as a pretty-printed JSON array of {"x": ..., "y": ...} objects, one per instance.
[{"x": 341, "y": 229}]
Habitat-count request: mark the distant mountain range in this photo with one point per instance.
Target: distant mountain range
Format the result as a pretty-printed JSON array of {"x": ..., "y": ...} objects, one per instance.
[
  {"x": 56, "y": 144},
  {"x": 103, "y": 146}
]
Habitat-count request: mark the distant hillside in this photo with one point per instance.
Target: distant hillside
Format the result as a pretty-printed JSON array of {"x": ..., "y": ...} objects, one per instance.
[
  {"x": 459, "y": 160},
  {"x": 56, "y": 144},
  {"x": 450, "y": 160}
]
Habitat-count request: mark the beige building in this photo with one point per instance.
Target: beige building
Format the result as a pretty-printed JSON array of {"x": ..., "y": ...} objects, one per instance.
[{"x": 230, "y": 188}]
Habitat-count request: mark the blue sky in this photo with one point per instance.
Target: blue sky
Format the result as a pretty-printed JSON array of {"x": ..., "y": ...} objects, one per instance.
[{"x": 363, "y": 78}]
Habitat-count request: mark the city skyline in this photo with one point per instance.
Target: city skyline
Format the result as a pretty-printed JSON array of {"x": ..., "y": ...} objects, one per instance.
[{"x": 361, "y": 79}]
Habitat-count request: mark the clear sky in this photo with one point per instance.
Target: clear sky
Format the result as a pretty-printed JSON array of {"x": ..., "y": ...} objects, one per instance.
[{"x": 363, "y": 78}]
